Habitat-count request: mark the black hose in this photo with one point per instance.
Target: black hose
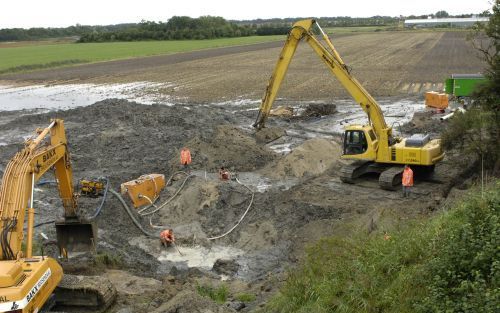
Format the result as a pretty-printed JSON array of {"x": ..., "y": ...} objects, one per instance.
[
  {"x": 99, "y": 208},
  {"x": 131, "y": 214},
  {"x": 46, "y": 182},
  {"x": 44, "y": 223},
  {"x": 7, "y": 252}
]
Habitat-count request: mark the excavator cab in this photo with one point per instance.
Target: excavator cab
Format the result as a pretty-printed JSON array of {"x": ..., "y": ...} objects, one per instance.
[
  {"x": 354, "y": 142},
  {"x": 359, "y": 142}
]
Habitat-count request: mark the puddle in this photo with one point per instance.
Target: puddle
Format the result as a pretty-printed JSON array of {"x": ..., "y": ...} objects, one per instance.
[
  {"x": 253, "y": 180},
  {"x": 395, "y": 113},
  {"x": 261, "y": 183},
  {"x": 75, "y": 95},
  {"x": 282, "y": 148},
  {"x": 239, "y": 102},
  {"x": 199, "y": 256}
]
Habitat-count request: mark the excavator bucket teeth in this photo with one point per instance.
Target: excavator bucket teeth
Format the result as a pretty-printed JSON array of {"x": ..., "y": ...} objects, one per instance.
[{"x": 76, "y": 236}]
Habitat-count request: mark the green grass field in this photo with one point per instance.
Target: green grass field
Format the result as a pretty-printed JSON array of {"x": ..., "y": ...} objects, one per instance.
[{"x": 31, "y": 57}]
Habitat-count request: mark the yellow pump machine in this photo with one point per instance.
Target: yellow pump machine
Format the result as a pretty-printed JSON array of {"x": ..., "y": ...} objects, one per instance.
[
  {"x": 27, "y": 281},
  {"x": 373, "y": 146}
]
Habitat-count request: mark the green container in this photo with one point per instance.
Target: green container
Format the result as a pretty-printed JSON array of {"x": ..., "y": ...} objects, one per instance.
[
  {"x": 448, "y": 86},
  {"x": 463, "y": 85}
]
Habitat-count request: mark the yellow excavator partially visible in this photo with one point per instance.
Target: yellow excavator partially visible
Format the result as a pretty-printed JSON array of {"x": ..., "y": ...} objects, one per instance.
[
  {"x": 27, "y": 282},
  {"x": 373, "y": 147}
]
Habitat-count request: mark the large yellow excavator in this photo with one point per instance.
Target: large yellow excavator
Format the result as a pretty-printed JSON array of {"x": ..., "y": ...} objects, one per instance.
[
  {"x": 373, "y": 147},
  {"x": 28, "y": 282}
]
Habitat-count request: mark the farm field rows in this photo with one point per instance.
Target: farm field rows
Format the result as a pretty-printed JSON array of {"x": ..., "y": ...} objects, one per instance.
[{"x": 386, "y": 63}]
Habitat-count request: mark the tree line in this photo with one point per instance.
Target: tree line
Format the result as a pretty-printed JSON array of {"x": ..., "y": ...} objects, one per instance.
[
  {"x": 177, "y": 28},
  {"x": 37, "y": 33},
  {"x": 205, "y": 27}
]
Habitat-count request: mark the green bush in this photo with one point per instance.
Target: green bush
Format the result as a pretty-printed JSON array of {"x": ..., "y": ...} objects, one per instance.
[
  {"x": 464, "y": 273},
  {"x": 105, "y": 259},
  {"x": 217, "y": 294},
  {"x": 448, "y": 264},
  {"x": 245, "y": 297}
]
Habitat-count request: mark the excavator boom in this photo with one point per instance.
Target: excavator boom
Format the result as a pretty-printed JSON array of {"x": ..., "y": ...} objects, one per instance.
[{"x": 303, "y": 30}]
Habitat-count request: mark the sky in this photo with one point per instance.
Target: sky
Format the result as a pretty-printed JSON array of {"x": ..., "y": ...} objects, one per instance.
[{"x": 62, "y": 13}]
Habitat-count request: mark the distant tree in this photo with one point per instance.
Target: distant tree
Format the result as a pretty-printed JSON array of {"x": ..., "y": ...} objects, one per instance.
[
  {"x": 485, "y": 13},
  {"x": 440, "y": 14}
]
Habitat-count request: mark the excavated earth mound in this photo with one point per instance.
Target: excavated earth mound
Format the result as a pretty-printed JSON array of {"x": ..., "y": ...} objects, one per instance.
[
  {"x": 230, "y": 147},
  {"x": 124, "y": 140},
  {"x": 313, "y": 157}
]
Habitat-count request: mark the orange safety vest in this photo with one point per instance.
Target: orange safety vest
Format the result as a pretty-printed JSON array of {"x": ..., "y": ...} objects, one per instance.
[
  {"x": 224, "y": 175},
  {"x": 167, "y": 236},
  {"x": 407, "y": 177},
  {"x": 185, "y": 156}
]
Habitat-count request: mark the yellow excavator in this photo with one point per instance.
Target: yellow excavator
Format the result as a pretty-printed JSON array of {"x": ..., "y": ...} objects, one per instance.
[
  {"x": 373, "y": 147},
  {"x": 27, "y": 282}
]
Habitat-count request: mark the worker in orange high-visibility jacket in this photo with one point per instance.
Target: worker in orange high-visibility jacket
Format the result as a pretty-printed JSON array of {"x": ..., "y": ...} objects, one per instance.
[
  {"x": 185, "y": 158},
  {"x": 167, "y": 237},
  {"x": 407, "y": 181}
]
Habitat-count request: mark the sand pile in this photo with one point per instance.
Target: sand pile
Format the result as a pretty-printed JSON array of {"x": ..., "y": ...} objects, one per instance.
[
  {"x": 313, "y": 157},
  {"x": 229, "y": 146}
]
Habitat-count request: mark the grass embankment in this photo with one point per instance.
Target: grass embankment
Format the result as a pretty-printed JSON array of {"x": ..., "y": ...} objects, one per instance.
[
  {"x": 450, "y": 263},
  {"x": 32, "y": 57}
]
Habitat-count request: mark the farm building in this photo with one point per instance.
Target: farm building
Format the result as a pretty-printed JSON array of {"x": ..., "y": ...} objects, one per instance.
[{"x": 452, "y": 22}]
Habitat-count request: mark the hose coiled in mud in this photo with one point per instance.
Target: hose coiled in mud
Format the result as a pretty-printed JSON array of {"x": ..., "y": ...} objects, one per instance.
[
  {"x": 131, "y": 214},
  {"x": 241, "y": 218}
]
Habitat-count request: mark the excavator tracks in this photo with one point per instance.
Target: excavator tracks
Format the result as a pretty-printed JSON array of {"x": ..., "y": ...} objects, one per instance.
[
  {"x": 390, "y": 179},
  {"x": 349, "y": 172},
  {"x": 84, "y": 294}
]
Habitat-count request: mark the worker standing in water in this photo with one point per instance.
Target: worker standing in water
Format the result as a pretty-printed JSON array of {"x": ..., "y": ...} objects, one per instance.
[
  {"x": 407, "y": 181},
  {"x": 185, "y": 158}
]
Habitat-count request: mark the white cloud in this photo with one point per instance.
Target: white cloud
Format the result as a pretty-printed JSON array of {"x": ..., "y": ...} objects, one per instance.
[{"x": 57, "y": 13}]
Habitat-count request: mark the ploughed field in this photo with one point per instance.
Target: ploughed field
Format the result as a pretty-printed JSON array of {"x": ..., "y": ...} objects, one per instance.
[{"x": 386, "y": 63}]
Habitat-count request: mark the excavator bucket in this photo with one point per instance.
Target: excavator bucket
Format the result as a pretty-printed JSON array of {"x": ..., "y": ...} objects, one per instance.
[{"x": 76, "y": 236}]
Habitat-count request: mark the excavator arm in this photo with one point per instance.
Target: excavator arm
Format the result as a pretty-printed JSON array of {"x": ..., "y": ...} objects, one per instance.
[
  {"x": 372, "y": 146},
  {"x": 16, "y": 191},
  {"x": 27, "y": 282},
  {"x": 302, "y": 30}
]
